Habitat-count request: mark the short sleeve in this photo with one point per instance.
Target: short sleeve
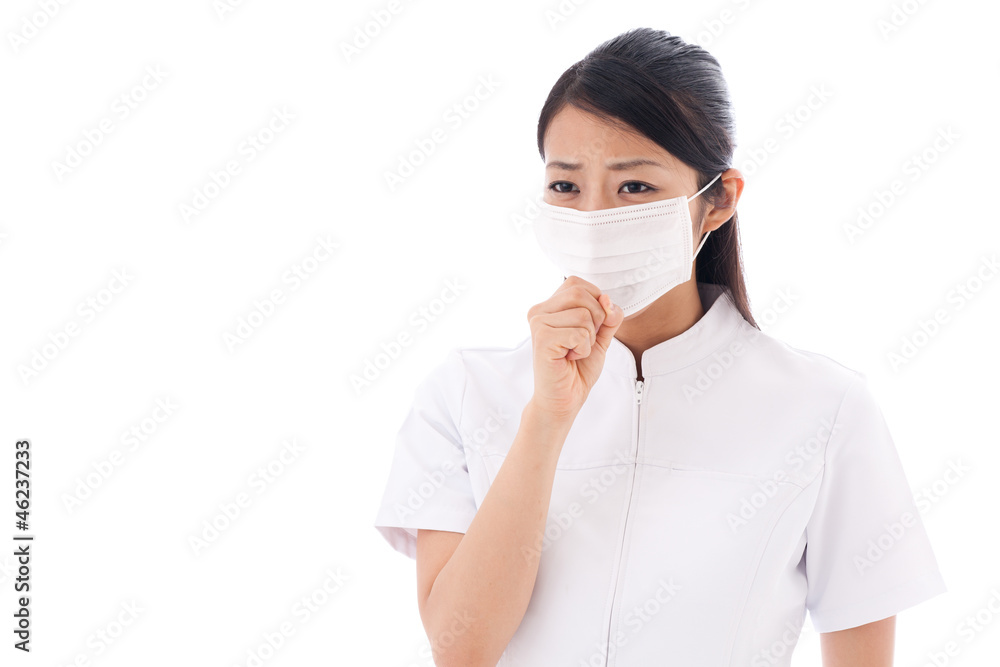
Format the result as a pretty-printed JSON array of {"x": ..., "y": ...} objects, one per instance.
[
  {"x": 867, "y": 554},
  {"x": 428, "y": 484}
]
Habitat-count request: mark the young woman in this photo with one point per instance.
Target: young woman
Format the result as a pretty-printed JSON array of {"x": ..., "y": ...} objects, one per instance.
[{"x": 648, "y": 478}]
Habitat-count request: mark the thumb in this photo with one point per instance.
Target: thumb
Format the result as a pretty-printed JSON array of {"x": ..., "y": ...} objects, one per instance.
[{"x": 610, "y": 325}]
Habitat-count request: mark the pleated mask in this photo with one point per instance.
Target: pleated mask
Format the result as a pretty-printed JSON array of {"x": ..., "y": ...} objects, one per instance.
[{"x": 635, "y": 253}]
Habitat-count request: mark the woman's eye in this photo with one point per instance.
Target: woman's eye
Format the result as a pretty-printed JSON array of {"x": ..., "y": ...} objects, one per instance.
[
  {"x": 635, "y": 192},
  {"x": 557, "y": 186}
]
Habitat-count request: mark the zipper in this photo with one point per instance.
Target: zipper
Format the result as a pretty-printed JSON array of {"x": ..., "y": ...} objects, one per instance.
[{"x": 639, "y": 390}]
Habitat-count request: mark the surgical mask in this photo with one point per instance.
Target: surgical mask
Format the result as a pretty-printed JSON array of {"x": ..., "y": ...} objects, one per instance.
[{"x": 634, "y": 253}]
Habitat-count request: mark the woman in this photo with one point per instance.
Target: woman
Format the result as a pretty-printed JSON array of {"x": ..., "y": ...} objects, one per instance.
[{"x": 679, "y": 487}]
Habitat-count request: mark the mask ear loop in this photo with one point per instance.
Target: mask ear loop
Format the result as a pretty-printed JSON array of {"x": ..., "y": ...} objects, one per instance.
[
  {"x": 695, "y": 196},
  {"x": 703, "y": 239}
]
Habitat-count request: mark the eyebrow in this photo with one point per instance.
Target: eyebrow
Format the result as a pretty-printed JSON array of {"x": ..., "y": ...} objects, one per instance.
[{"x": 613, "y": 166}]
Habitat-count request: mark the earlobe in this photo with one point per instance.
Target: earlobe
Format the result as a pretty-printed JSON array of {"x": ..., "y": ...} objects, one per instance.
[
  {"x": 719, "y": 221},
  {"x": 717, "y": 217}
]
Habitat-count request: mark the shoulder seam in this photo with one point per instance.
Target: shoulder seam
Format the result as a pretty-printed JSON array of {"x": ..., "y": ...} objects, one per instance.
[
  {"x": 826, "y": 450},
  {"x": 814, "y": 353},
  {"x": 857, "y": 379}
]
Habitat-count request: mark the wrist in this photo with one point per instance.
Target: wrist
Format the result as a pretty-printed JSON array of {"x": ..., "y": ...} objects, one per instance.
[{"x": 543, "y": 419}]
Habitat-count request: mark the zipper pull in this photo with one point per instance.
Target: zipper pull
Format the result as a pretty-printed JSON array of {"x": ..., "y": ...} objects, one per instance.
[{"x": 638, "y": 391}]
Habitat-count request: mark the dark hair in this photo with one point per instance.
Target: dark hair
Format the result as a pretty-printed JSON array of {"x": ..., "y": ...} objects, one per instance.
[{"x": 673, "y": 93}]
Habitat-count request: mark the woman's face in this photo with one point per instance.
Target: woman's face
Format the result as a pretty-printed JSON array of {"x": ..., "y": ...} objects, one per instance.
[{"x": 591, "y": 165}]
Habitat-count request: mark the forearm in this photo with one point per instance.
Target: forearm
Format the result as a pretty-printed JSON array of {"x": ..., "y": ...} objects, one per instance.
[{"x": 489, "y": 578}]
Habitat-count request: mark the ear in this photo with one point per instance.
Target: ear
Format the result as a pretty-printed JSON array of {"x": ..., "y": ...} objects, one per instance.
[{"x": 716, "y": 216}]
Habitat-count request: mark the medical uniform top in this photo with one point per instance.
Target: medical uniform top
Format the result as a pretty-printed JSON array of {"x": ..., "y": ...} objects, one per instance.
[{"x": 696, "y": 514}]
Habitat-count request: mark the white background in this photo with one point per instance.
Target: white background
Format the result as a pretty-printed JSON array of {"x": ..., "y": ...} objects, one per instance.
[{"x": 162, "y": 336}]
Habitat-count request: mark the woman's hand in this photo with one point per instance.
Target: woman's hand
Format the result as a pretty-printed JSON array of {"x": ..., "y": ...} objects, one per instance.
[{"x": 570, "y": 335}]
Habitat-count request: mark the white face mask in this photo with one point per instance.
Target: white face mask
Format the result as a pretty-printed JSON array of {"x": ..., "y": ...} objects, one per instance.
[{"x": 634, "y": 253}]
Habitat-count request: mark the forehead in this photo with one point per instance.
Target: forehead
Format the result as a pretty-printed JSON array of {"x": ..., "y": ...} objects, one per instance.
[{"x": 574, "y": 135}]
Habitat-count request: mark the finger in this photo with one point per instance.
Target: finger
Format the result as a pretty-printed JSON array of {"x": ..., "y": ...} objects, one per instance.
[
  {"x": 572, "y": 318},
  {"x": 559, "y": 343},
  {"x": 574, "y": 296},
  {"x": 613, "y": 320}
]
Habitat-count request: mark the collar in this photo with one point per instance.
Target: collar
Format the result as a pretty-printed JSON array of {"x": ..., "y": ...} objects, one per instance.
[{"x": 715, "y": 329}]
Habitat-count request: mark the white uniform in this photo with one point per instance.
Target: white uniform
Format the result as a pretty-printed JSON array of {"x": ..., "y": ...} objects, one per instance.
[{"x": 696, "y": 514}]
